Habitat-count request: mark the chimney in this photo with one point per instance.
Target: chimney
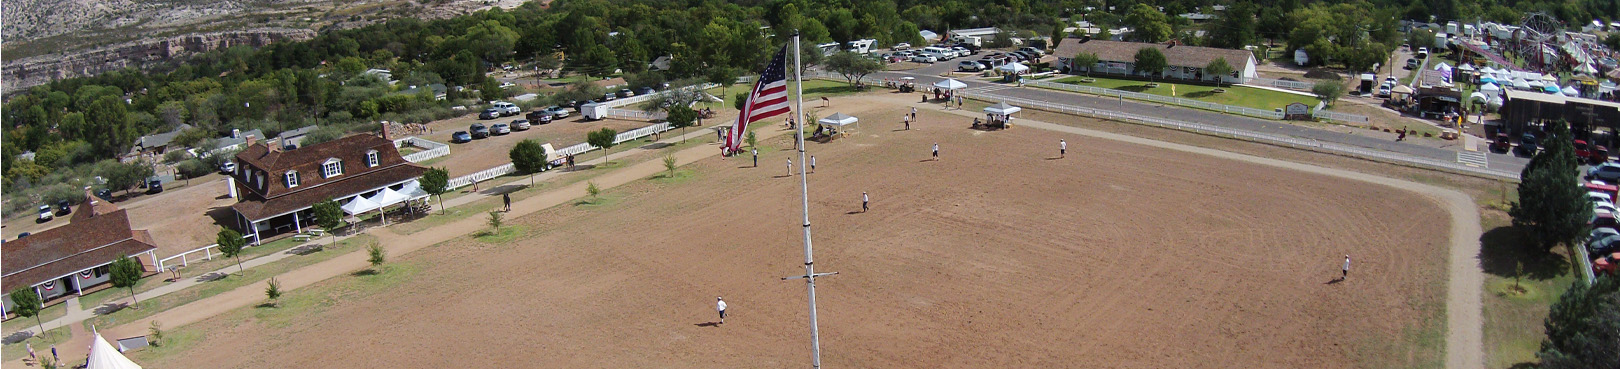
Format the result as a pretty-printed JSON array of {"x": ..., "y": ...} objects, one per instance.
[
  {"x": 274, "y": 145},
  {"x": 252, "y": 139},
  {"x": 90, "y": 196}
]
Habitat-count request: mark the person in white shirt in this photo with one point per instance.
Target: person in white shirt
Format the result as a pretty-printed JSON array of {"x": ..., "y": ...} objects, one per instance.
[
  {"x": 936, "y": 151},
  {"x": 913, "y": 112},
  {"x": 790, "y": 167},
  {"x": 1346, "y": 268},
  {"x": 720, "y": 306},
  {"x": 1063, "y": 148},
  {"x": 864, "y": 200},
  {"x": 907, "y": 119},
  {"x": 812, "y": 163}
]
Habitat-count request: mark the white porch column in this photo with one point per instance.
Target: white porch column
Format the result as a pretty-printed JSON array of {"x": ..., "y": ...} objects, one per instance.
[
  {"x": 76, "y": 286},
  {"x": 230, "y": 183},
  {"x": 255, "y": 226},
  {"x": 297, "y": 224}
]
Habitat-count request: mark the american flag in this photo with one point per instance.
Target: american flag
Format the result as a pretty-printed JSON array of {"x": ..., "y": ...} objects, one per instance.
[{"x": 768, "y": 99}]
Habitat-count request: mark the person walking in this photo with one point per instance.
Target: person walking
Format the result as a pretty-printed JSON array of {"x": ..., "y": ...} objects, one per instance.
[
  {"x": 55, "y": 358},
  {"x": 790, "y": 167},
  {"x": 936, "y": 151},
  {"x": 30, "y": 347},
  {"x": 1063, "y": 148},
  {"x": 720, "y": 306},
  {"x": 506, "y": 199},
  {"x": 958, "y": 102},
  {"x": 864, "y": 201},
  {"x": 756, "y": 157},
  {"x": 1346, "y": 268},
  {"x": 812, "y": 163}
]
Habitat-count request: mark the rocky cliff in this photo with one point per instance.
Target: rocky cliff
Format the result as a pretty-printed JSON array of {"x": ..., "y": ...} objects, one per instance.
[{"x": 33, "y": 71}]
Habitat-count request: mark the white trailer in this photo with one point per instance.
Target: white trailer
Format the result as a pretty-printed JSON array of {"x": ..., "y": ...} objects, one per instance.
[{"x": 861, "y": 46}]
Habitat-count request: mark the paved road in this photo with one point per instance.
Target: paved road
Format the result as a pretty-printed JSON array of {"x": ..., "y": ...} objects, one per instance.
[{"x": 929, "y": 75}]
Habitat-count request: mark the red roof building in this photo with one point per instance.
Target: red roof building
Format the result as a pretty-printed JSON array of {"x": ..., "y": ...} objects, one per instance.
[
  {"x": 71, "y": 258},
  {"x": 277, "y": 187}
]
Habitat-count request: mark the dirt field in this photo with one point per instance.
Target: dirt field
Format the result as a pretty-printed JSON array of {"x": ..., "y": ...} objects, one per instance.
[
  {"x": 481, "y": 154},
  {"x": 179, "y": 219},
  {"x": 996, "y": 256}
]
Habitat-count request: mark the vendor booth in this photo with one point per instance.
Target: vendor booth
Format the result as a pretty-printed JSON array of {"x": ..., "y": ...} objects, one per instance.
[
  {"x": 998, "y": 116},
  {"x": 832, "y": 127}
]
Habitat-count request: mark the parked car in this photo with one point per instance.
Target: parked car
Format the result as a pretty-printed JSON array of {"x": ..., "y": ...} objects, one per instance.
[
  {"x": 964, "y": 51},
  {"x": 479, "y": 130},
  {"x": 645, "y": 91},
  {"x": 609, "y": 97},
  {"x": 45, "y": 214},
  {"x": 920, "y": 58},
  {"x": 1609, "y": 265},
  {"x": 1603, "y": 244},
  {"x": 1500, "y": 144},
  {"x": 902, "y": 46},
  {"x": 1527, "y": 145},
  {"x": 1384, "y": 91},
  {"x": 1580, "y": 149},
  {"x": 1598, "y": 154},
  {"x": 24, "y": 234},
  {"x": 506, "y": 108},
  {"x": 490, "y": 113},
  {"x": 558, "y": 112},
  {"x": 625, "y": 92},
  {"x": 1597, "y": 197},
  {"x": 1033, "y": 51},
  {"x": 1423, "y": 52},
  {"x": 460, "y": 137},
  {"x": 969, "y": 66},
  {"x": 104, "y": 194},
  {"x": 227, "y": 168},
  {"x": 64, "y": 207},
  {"x": 538, "y": 116},
  {"x": 520, "y": 125},
  {"x": 1411, "y": 63},
  {"x": 985, "y": 64},
  {"x": 154, "y": 185},
  {"x": 1607, "y": 172},
  {"x": 500, "y": 129},
  {"x": 1603, "y": 206}
]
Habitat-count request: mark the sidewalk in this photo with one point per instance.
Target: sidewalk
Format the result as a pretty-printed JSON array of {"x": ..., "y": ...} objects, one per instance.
[{"x": 394, "y": 243}]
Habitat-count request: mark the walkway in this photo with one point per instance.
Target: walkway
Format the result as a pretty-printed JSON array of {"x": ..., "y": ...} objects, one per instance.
[{"x": 1465, "y": 279}]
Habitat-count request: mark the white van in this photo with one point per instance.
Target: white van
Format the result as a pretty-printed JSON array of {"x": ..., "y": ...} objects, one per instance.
[{"x": 939, "y": 53}]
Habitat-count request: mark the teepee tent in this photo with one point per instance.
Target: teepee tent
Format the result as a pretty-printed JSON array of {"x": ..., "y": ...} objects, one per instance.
[{"x": 104, "y": 356}]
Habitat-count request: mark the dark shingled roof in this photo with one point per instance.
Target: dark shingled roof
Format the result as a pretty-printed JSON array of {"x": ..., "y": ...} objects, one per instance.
[
  {"x": 1178, "y": 56},
  {"x": 81, "y": 244},
  {"x": 273, "y": 197}
]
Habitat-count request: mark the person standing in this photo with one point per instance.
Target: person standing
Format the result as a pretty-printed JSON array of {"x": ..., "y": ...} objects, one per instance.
[
  {"x": 913, "y": 112},
  {"x": 936, "y": 151},
  {"x": 506, "y": 198},
  {"x": 790, "y": 167},
  {"x": 756, "y": 156},
  {"x": 1063, "y": 148},
  {"x": 864, "y": 201},
  {"x": 1346, "y": 268},
  {"x": 720, "y": 306},
  {"x": 30, "y": 347},
  {"x": 958, "y": 102},
  {"x": 907, "y": 119},
  {"x": 812, "y": 163}
]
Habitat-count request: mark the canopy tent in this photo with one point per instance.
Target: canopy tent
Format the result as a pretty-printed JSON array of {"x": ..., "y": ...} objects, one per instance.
[
  {"x": 1521, "y": 84},
  {"x": 1535, "y": 84},
  {"x": 1495, "y": 102},
  {"x": 1442, "y": 67},
  {"x": 1549, "y": 78},
  {"x": 359, "y": 205},
  {"x": 1465, "y": 67},
  {"x": 839, "y": 120},
  {"x": 1487, "y": 70},
  {"x": 1487, "y": 80},
  {"x": 1014, "y": 67},
  {"x": 1490, "y": 89},
  {"x": 1586, "y": 69},
  {"x": 104, "y": 356},
  {"x": 950, "y": 84},
  {"x": 413, "y": 190},
  {"x": 1002, "y": 109},
  {"x": 1550, "y": 89},
  {"x": 1478, "y": 96},
  {"x": 1402, "y": 89},
  {"x": 388, "y": 197},
  {"x": 1570, "y": 91}
]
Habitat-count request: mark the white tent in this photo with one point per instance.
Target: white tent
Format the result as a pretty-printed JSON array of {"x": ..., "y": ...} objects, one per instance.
[
  {"x": 1549, "y": 78},
  {"x": 950, "y": 84},
  {"x": 1478, "y": 96},
  {"x": 1442, "y": 67},
  {"x": 1490, "y": 89},
  {"x": 839, "y": 120},
  {"x": 1002, "y": 109},
  {"x": 1487, "y": 70},
  {"x": 104, "y": 356},
  {"x": 413, "y": 190},
  {"x": 1586, "y": 69},
  {"x": 359, "y": 205},
  {"x": 387, "y": 197},
  {"x": 1570, "y": 91},
  {"x": 1521, "y": 84},
  {"x": 1014, "y": 67},
  {"x": 1465, "y": 67}
]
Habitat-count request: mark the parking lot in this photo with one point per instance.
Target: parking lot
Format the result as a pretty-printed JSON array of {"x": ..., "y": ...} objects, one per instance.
[{"x": 485, "y": 153}]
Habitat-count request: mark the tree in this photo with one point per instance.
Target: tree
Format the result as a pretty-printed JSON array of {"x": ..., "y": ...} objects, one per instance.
[
  {"x": 26, "y": 303},
  {"x": 725, "y": 77},
  {"x": 1235, "y": 28},
  {"x": 328, "y": 215},
  {"x": 231, "y": 244},
  {"x": 1328, "y": 91},
  {"x": 272, "y": 291},
  {"x": 597, "y": 60},
  {"x": 740, "y": 100},
  {"x": 852, "y": 66},
  {"x": 1083, "y": 60},
  {"x": 1583, "y": 327},
  {"x": 1218, "y": 68},
  {"x": 1001, "y": 39},
  {"x": 495, "y": 219},
  {"x": 751, "y": 139},
  {"x": 681, "y": 117},
  {"x": 669, "y": 165},
  {"x": 436, "y": 182},
  {"x": 1148, "y": 24},
  {"x": 376, "y": 255},
  {"x": 528, "y": 157},
  {"x": 602, "y": 138},
  {"x": 1551, "y": 202},
  {"x": 592, "y": 190},
  {"x": 125, "y": 272},
  {"x": 1151, "y": 61}
]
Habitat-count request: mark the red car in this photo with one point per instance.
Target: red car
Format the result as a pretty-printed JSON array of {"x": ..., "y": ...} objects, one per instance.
[
  {"x": 1580, "y": 149},
  {"x": 1606, "y": 265}
]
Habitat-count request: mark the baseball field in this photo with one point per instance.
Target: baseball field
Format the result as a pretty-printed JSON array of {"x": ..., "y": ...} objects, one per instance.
[{"x": 1000, "y": 254}]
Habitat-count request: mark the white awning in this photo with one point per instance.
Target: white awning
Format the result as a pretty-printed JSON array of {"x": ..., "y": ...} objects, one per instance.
[
  {"x": 950, "y": 84},
  {"x": 1465, "y": 67},
  {"x": 1478, "y": 96},
  {"x": 1490, "y": 88},
  {"x": 1002, "y": 109},
  {"x": 1015, "y": 67},
  {"x": 838, "y": 119},
  {"x": 104, "y": 356},
  {"x": 359, "y": 205},
  {"x": 387, "y": 197}
]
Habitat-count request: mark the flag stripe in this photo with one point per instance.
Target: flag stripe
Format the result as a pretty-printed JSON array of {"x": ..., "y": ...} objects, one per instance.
[{"x": 767, "y": 99}]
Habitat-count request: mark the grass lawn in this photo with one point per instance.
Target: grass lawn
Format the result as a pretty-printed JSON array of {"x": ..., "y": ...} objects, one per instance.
[
  {"x": 45, "y": 315},
  {"x": 256, "y": 275},
  {"x": 1235, "y": 95},
  {"x": 197, "y": 266},
  {"x": 42, "y": 343},
  {"x": 1515, "y": 308}
]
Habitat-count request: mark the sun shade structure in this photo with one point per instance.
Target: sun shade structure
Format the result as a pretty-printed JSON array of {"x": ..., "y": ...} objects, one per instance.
[
  {"x": 839, "y": 120},
  {"x": 387, "y": 197},
  {"x": 104, "y": 356},
  {"x": 1002, "y": 109},
  {"x": 359, "y": 205},
  {"x": 950, "y": 84},
  {"x": 1015, "y": 67},
  {"x": 1490, "y": 88},
  {"x": 1402, "y": 89}
]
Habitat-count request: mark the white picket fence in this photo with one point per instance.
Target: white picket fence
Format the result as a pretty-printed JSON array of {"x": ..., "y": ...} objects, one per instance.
[
  {"x": 431, "y": 150},
  {"x": 640, "y": 98},
  {"x": 635, "y": 114},
  {"x": 207, "y": 251},
  {"x": 1321, "y": 112},
  {"x": 1280, "y": 140},
  {"x": 1229, "y": 109},
  {"x": 508, "y": 168},
  {"x": 1277, "y": 83}
]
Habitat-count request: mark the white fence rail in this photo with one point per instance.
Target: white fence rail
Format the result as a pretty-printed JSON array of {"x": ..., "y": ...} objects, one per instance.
[
  {"x": 1295, "y": 142},
  {"x": 635, "y": 114},
  {"x": 207, "y": 251},
  {"x": 1229, "y": 109},
  {"x": 1277, "y": 83},
  {"x": 640, "y": 98},
  {"x": 487, "y": 174},
  {"x": 431, "y": 150},
  {"x": 508, "y": 168}
]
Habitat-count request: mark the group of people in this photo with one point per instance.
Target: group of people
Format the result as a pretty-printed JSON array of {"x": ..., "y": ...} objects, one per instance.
[{"x": 993, "y": 121}]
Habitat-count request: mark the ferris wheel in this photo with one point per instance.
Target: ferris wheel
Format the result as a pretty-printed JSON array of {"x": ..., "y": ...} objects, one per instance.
[{"x": 1538, "y": 32}]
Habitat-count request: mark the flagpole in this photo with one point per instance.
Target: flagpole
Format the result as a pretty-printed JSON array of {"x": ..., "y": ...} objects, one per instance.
[{"x": 804, "y": 198}]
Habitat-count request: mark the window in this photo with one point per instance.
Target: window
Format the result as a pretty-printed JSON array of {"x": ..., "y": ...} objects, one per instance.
[
  {"x": 332, "y": 168},
  {"x": 371, "y": 158},
  {"x": 292, "y": 178}
]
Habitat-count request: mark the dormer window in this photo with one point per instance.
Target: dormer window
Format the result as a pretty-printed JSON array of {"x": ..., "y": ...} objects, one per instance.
[
  {"x": 332, "y": 168},
  {"x": 371, "y": 158},
  {"x": 292, "y": 178}
]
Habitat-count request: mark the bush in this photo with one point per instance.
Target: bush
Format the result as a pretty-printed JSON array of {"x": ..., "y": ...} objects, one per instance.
[{"x": 175, "y": 156}]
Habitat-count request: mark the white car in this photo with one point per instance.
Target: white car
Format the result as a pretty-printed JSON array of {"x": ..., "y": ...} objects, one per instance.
[
  {"x": 1598, "y": 197},
  {"x": 969, "y": 66},
  {"x": 1603, "y": 207},
  {"x": 920, "y": 58},
  {"x": 45, "y": 213},
  {"x": 506, "y": 108}
]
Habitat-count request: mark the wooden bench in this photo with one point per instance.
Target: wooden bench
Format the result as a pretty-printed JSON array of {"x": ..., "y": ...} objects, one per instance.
[{"x": 301, "y": 237}]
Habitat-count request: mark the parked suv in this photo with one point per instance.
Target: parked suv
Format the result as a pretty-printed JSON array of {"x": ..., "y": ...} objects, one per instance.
[
  {"x": 479, "y": 130},
  {"x": 968, "y": 66},
  {"x": 506, "y": 108},
  {"x": 490, "y": 113},
  {"x": 557, "y": 111},
  {"x": 45, "y": 214}
]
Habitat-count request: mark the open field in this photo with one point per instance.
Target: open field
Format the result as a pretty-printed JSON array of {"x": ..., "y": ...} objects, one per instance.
[
  {"x": 1121, "y": 255},
  {"x": 1234, "y": 95}
]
